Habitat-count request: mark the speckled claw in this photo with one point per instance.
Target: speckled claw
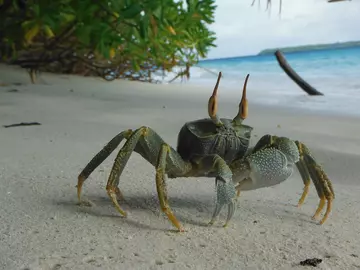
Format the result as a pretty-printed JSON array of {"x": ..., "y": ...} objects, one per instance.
[
  {"x": 226, "y": 195},
  {"x": 231, "y": 211}
]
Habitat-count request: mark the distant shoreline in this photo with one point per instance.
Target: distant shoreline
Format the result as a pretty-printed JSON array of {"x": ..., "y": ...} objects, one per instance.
[
  {"x": 295, "y": 49},
  {"x": 337, "y": 45}
]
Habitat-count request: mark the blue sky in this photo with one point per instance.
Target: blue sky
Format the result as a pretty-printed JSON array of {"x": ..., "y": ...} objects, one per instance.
[{"x": 245, "y": 30}]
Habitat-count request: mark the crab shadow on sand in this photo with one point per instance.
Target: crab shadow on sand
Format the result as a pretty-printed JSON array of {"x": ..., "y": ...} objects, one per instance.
[{"x": 197, "y": 211}]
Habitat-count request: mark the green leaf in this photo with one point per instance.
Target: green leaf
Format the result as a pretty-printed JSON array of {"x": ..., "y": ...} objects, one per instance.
[
  {"x": 84, "y": 34},
  {"x": 131, "y": 11},
  {"x": 144, "y": 26},
  {"x": 158, "y": 12},
  {"x": 135, "y": 65}
]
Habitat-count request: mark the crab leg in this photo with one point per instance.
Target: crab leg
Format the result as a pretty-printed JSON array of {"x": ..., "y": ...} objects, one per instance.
[
  {"x": 150, "y": 146},
  {"x": 168, "y": 159},
  {"x": 119, "y": 165},
  {"x": 308, "y": 167},
  {"x": 99, "y": 158},
  {"x": 305, "y": 176}
]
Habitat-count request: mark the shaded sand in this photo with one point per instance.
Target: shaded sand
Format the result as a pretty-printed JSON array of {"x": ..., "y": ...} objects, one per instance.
[{"x": 42, "y": 227}]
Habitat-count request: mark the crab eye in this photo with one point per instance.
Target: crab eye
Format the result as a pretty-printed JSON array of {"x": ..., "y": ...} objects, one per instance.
[
  {"x": 243, "y": 106},
  {"x": 244, "y": 109},
  {"x": 212, "y": 107}
]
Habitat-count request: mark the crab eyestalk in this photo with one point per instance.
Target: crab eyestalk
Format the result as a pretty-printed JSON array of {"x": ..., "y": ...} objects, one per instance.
[
  {"x": 243, "y": 105},
  {"x": 213, "y": 105}
]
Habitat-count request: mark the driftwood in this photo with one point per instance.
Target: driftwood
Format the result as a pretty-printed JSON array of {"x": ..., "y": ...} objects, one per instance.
[
  {"x": 333, "y": 1},
  {"x": 22, "y": 124},
  {"x": 295, "y": 77}
]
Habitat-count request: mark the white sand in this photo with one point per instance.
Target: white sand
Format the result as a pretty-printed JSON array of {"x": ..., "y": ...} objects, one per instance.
[{"x": 42, "y": 227}]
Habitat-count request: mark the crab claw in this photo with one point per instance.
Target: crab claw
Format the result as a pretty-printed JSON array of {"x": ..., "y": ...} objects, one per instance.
[{"x": 226, "y": 195}]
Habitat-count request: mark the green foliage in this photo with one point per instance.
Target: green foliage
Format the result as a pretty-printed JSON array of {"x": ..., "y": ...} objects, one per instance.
[{"x": 135, "y": 35}]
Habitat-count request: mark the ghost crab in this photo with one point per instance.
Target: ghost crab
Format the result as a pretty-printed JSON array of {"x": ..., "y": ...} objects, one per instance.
[{"x": 215, "y": 147}]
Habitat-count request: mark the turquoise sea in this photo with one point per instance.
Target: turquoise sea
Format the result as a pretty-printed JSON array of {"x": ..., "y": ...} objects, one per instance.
[{"x": 334, "y": 72}]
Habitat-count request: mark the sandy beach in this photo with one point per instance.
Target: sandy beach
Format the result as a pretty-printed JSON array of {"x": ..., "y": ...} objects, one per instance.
[{"x": 43, "y": 227}]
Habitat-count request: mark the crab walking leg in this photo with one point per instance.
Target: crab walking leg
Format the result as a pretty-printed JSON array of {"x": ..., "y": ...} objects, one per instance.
[
  {"x": 119, "y": 165},
  {"x": 148, "y": 144},
  {"x": 305, "y": 176},
  {"x": 322, "y": 183},
  {"x": 324, "y": 187},
  {"x": 169, "y": 161},
  {"x": 99, "y": 158},
  {"x": 304, "y": 172}
]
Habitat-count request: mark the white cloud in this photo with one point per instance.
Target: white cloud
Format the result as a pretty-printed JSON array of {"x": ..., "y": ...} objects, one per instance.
[{"x": 243, "y": 29}]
